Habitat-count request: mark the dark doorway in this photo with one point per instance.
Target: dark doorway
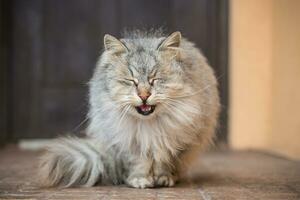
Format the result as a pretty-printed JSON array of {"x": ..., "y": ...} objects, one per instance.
[{"x": 54, "y": 45}]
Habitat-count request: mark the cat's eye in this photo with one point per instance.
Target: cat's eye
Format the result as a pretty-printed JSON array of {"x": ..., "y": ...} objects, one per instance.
[
  {"x": 153, "y": 80},
  {"x": 134, "y": 81}
]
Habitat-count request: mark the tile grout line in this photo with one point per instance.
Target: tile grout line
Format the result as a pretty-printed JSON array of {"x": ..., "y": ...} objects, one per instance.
[{"x": 203, "y": 194}]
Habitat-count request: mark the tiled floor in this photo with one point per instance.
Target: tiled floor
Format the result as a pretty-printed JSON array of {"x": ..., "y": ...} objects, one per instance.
[{"x": 218, "y": 175}]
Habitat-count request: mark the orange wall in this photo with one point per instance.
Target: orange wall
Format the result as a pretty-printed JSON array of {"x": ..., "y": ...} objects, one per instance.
[
  {"x": 285, "y": 136},
  {"x": 265, "y": 75}
]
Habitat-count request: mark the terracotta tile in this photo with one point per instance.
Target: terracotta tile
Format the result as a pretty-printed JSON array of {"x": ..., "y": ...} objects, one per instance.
[{"x": 218, "y": 175}]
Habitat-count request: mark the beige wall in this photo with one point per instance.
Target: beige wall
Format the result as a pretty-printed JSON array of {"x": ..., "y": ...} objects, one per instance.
[{"x": 265, "y": 75}]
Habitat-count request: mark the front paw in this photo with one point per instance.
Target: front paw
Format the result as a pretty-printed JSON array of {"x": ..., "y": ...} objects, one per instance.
[
  {"x": 140, "y": 182},
  {"x": 165, "y": 180}
]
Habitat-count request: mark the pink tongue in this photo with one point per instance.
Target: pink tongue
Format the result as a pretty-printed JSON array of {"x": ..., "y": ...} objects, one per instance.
[{"x": 144, "y": 107}]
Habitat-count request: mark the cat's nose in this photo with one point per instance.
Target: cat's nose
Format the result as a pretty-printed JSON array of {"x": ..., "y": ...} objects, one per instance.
[{"x": 144, "y": 95}]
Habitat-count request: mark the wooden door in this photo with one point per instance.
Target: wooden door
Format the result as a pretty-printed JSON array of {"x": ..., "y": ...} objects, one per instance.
[{"x": 55, "y": 45}]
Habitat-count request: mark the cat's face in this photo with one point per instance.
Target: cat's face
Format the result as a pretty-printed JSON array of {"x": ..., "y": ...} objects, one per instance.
[{"x": 144, "y": 82}]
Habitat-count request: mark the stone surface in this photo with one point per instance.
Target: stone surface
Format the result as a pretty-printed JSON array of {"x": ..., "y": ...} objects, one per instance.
[{"x": 217, "y": 175}]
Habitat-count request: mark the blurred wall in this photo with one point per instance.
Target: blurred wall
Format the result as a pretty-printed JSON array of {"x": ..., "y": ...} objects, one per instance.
[{"x": 265, "y": 75}]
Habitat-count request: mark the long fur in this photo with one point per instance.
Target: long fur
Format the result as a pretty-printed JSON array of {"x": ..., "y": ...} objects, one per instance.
[
  {"x": 72, "y": 161},
  {"x": 142, "y": 151}
]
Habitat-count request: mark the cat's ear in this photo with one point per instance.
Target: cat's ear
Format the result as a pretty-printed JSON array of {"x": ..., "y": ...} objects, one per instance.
[
  {"x": 171, "y": 42},
  {"x": 113, "y": 44}
]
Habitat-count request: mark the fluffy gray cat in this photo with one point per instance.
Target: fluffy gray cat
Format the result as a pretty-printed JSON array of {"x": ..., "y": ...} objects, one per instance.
[{"x": 154, "y": 106}]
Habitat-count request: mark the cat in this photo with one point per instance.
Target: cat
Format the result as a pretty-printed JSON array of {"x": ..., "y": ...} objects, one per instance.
[{"x": 154, "y": 105}]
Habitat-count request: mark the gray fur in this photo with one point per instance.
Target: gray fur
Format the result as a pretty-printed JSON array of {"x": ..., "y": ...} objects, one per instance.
[{"x": 124, "y": 146}]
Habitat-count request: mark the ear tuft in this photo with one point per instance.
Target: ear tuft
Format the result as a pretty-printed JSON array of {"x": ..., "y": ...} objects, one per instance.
[
  {"x": 171, "y": 42},
  {"x": 113, "y": 44}
]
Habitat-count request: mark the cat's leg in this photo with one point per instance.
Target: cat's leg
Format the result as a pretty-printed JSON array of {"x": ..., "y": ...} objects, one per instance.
[
  {"x": 140, "y": 173},
  {"x": 165, "y": 174}
]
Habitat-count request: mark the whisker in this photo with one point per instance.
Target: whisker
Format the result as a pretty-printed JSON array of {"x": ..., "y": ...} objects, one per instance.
[
  {"x": 182, "y": 114},
  {"x": 191, "y": 109},
  {"x": 166, "y": 98},
  {"x": 87, "y": 117},
  {"x": 199, "y": 91},
  {"x": 80, "y": 124},
  {"x": 183, "y": 104},
  {"x": 123, "y": 113}
]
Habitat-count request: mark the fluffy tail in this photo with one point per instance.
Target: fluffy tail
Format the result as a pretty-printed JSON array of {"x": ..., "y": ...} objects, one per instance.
[{"x": 74, "y": 161}]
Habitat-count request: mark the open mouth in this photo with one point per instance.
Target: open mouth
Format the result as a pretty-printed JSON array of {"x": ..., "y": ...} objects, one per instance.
[{"x": 145, "y": 109}]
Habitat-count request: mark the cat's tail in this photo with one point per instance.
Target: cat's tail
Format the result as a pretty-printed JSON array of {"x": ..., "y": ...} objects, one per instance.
[{"x": 73, "y": 161}]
